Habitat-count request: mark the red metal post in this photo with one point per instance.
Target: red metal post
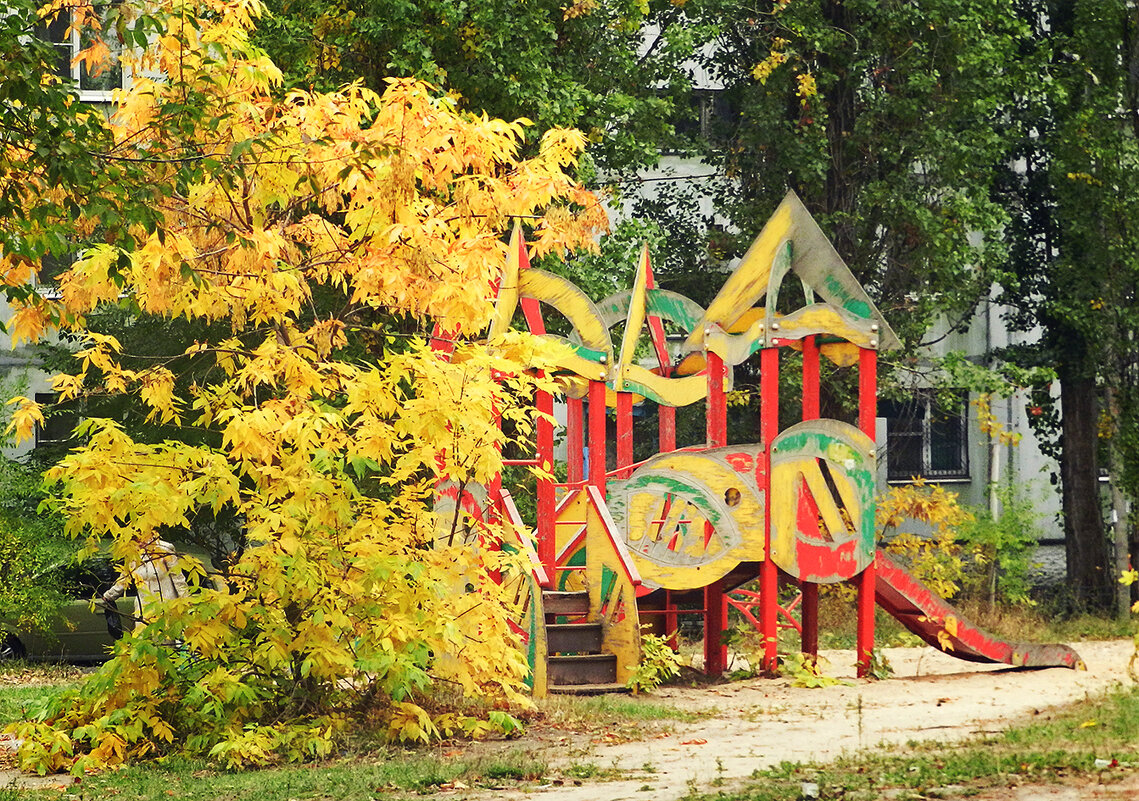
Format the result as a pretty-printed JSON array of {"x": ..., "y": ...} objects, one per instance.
[
  {"x": 624, "y": 434},
  {"x": 715, "y": 618},
  {"x": 597, "y": 445},
  {"x": 809, "y": 609},
  {"x": 717, "y": 413},
  {"x": 867, "y": 390},
  {"x": 810, "y": 379},
  {"x": 809, "y": 618},
  {"x": 544, "y": 451},
  {"x": 867, "y": 411},
  {"x": 666, "y": 420},
  {"x": 575, "y": 440},
  {"x": 768, "y": 574}
]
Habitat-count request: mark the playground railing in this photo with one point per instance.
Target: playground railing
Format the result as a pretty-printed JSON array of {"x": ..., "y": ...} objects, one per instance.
[{"x": 517, "y": 529}]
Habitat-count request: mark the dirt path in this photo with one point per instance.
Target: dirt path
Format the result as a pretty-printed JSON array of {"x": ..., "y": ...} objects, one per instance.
[{"x": 760, "y": 723}]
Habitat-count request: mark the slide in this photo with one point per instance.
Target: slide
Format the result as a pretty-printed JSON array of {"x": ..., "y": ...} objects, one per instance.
[{"x": 942, "y": 626}]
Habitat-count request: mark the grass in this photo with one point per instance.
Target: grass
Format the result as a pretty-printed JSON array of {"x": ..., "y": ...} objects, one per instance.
[
  {"x": 16, "y": 703},
  {"x": 24, "y": 687},
  {"x": 1065, "y": 745},
  {"x": 364, "y": 774},
  {"x": 383, "y": 775}
]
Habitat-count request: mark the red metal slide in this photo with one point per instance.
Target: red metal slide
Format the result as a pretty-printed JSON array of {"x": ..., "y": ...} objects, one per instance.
[{"x": 930, "y": 617}]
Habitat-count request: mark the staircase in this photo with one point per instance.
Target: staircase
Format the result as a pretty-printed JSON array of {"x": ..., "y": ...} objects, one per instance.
[{"x": 576, "y": 663}]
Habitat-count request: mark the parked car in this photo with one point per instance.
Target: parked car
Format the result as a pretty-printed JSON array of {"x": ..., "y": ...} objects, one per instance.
[{"x": 84, "y": 628}]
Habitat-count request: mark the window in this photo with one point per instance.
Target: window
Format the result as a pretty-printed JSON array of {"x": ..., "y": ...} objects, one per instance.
[
  {"x": 68, "y": 43},
  {"x": 927, "y": 436},
  {"x": 58, "y": 423},
  {"x": 51, "y": 268},
  {"x": 710, "y": 116}
]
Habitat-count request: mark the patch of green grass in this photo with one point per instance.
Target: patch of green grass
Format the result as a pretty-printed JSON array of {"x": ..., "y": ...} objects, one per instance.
[
  {"x": 1064, "y": 744},
  {"x": 24, "y": 689},
  {"x": 18, "y": 702},
  {"x": 388, "y": 775}
]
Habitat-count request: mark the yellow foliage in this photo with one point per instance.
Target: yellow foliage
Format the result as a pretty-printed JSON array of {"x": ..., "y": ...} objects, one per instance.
[
  {"x": 936, "y": 558},
  {"x": 805, "y": 88},
  {"x": 990, "y": 424},
  {"x": 333, "y": 604}
]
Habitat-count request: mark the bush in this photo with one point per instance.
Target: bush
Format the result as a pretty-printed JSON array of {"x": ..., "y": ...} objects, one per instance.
[{"x": 1001, "y": 548}]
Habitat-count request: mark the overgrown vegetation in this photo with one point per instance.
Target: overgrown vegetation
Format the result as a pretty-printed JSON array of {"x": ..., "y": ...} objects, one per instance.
[
  {"x": 315, "y": 233},
  {"x": 659, "y": 663},
  {"x": 31, "y": 536}
]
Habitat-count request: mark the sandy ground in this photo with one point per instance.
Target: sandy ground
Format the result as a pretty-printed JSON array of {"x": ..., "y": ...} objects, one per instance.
[{"x": 762, "y": 722}]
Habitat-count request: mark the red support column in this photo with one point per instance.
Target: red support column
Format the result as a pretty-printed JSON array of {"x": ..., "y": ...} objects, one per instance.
[
  {"x": 715, "y": 616},
  {"x": 810, "y": 379},
  {"x": 768, "y": 574},
  {"x": 597, "y": 445},
  {"x": 867, "y": 390},
  {"x": 809, "y": 606},
  {"x": 547, "y": 548},
  {"x": 575, "y": 440},
  {"x": 666, "y": 420},
  {"x": 671, "y": 625},
  {"x": 809, "y": 616},
  {"x": 494, "y": 486},
  {"x": 867, "y": 411},
  {"x": 717, "y": 412},
  {"x": 624, "y": 434}
]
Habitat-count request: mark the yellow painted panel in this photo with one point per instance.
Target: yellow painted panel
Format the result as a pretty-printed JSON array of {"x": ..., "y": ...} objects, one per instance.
[
  {"x": 573, "y": 386},
  {"x": 507, "y": 301},
  {"x": 607, "y": 557},
  {"x": 808, "y": 469},
  {"x": 572, "y": 303},
  {"x": 823, "y": 318},
  {"x": 586, "y": 368},
  {"x": 785, "y": 487},
  {"x": 819, "y": 266},
  {"x": 634, "y": 320},
  {"x": 665, "y": 506},
  {"x": 844, "y": 354},
  {"x": 734, "y": 348},
  {"x": 748, "y": 282},
  {"x": 681, "y": 391}
]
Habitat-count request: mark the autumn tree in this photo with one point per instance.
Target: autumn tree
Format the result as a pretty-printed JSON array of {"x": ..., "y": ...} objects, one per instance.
[
  {"x": 889, "y": 120},
  {"x": 322, "y": 439},
  {"x": 1075, "y": 272},
  {"x": 613, "y": 68}
]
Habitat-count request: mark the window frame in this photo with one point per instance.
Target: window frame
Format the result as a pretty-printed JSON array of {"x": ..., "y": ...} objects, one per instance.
[
  {"x": 929, "y": 403},
  {"x": 48, "y": 433},
  {"x": 70, "y": 46}
]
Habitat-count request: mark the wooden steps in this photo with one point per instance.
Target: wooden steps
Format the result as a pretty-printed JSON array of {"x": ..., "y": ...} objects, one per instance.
[{"x": 577, "y": 664}]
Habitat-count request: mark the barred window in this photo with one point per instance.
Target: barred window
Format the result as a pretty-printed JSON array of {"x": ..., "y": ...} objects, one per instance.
[{"x": 927, "y": 436}]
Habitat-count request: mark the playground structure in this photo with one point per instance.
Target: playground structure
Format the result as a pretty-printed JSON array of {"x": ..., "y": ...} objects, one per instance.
[{"x": 679, "y": 532}]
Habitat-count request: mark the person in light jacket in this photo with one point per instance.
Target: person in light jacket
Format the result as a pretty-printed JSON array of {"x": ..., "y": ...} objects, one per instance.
[{"x": 157, "y": 578}]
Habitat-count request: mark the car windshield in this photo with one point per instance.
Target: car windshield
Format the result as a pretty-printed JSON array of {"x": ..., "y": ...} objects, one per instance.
[{"x": 87, "y": 579}]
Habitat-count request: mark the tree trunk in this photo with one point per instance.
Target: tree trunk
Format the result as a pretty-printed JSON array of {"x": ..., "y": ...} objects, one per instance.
[{"x": 1086, "y": 544}]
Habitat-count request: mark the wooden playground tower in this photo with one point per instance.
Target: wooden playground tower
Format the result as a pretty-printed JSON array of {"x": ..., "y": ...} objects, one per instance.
[{"x": 615, "y": 544}]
